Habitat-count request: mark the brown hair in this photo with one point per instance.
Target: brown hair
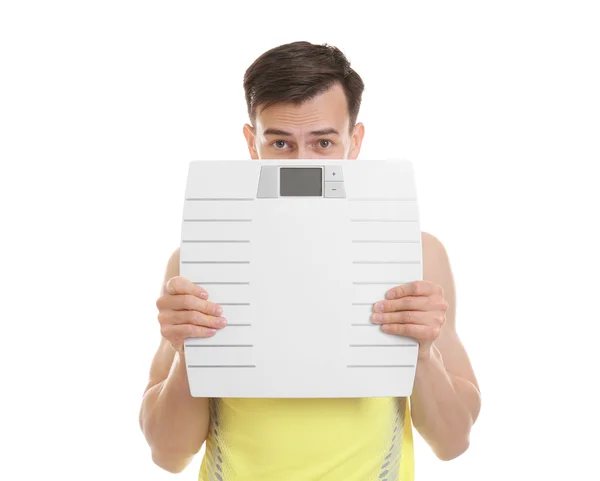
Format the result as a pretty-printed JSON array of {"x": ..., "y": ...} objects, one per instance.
[{"x": 297, "y": 72}]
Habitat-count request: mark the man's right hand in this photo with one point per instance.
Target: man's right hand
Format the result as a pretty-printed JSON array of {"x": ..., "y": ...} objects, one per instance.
[{"x": 184, "y": 311}]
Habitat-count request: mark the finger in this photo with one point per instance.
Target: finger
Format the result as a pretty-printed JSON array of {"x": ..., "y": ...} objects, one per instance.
[
  {"x": 402, "y": 317},
  {"x": 181, "y": 285},
  {"x": 404, "y": 304},
  {"x": 181, "y": 332},
  {"x": 186, "y": 302},
  {"x": 191, "y": 317},
  {"x": 414, "y": 288},
  {"x": 416, "y": 331}
]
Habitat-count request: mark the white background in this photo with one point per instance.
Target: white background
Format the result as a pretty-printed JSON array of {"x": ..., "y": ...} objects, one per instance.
[{"x": 103, "y": 104}]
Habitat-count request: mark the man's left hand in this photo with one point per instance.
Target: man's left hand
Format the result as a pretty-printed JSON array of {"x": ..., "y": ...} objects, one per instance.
[{"x": 417, "y": 309}]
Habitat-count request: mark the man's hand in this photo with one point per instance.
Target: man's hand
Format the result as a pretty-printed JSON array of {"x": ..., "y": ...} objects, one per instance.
[
  {"x": 417, "y": 310},
  {"x": 184, "y": 311}
]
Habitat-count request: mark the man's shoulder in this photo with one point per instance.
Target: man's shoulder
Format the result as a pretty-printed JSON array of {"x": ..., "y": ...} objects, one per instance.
[
  {"x": 432, "y": 245},
  {"x": 173, "y": 263},
  {"x": 172, "y": 268},
  {"x": 175, "y": 255},
  {"x": 436, "y": 264}
]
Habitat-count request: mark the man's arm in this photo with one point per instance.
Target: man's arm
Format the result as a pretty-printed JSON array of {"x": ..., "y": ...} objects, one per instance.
[
  {"x": 445, "y": 402},
  {"x": 174, "y": 423}
]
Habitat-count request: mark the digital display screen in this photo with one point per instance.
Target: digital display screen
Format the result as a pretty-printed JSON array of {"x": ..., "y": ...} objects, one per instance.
[{"x": 301, "y": 181}]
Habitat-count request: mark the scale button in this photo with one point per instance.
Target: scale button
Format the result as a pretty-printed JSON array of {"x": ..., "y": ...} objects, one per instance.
[
  {"x": 333, "y": 173},
  {"x": 335, "y": 190}
]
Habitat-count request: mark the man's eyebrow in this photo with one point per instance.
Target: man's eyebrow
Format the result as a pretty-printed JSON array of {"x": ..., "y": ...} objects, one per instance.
[
  {"x": 276, "y": 132},
  {"x": 328, "y": 131},
  {"x": 314, "y": 133}
]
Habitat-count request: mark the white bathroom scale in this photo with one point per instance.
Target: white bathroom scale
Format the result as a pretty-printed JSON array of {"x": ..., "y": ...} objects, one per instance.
[{"x": 297, "y": 252}]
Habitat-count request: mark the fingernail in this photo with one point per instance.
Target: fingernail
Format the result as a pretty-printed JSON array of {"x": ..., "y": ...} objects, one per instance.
[
  {"x": 204, "y": 295},
  {"x": 391, "y": 294},
  {"x": 217, "y": 311},
  {"x": 212, "y": 331},
  {"x": 377, "y": 318},
  {"x": 379, "y": 306},
  {"x": 222, "y": 322}
]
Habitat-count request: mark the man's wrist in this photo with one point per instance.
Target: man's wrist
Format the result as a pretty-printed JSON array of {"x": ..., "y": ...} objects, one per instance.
[{"x": 424, "y": 356}]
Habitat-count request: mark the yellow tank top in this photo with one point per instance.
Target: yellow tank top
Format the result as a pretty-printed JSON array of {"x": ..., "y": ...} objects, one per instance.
[{"x": 354, "y": 439}]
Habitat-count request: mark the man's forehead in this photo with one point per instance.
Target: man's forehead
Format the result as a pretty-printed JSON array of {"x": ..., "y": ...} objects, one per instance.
[
  {"x": 293, "y": 122},
  {"x": 313, "y": 131},
  {"x": 326, "y": 111},
  {"x": 299, "y": 131}
]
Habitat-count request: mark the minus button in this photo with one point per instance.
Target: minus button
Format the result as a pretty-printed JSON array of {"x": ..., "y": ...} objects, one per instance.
[{"x": 335, "y": 190}]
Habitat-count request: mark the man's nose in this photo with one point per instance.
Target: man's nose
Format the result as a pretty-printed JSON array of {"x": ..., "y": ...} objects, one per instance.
[{"x": 304, "y": 153}]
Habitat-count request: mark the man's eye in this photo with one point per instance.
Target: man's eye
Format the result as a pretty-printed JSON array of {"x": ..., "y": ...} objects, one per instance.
[
  {"x": 324, "y": 143},
  {"x": 280, "y": 144}
]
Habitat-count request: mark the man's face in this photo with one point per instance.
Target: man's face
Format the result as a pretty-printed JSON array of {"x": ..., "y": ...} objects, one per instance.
[{"x": 316, "y": 129}]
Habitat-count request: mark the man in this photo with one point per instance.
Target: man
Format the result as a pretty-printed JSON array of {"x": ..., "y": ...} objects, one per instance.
[{"x": 303, "y": 102}]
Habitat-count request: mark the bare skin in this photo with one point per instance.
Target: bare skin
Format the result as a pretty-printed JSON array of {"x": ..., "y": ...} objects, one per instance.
[
  {"x": 445, "y": 402},
  {"x": 174, "y": 423}
]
